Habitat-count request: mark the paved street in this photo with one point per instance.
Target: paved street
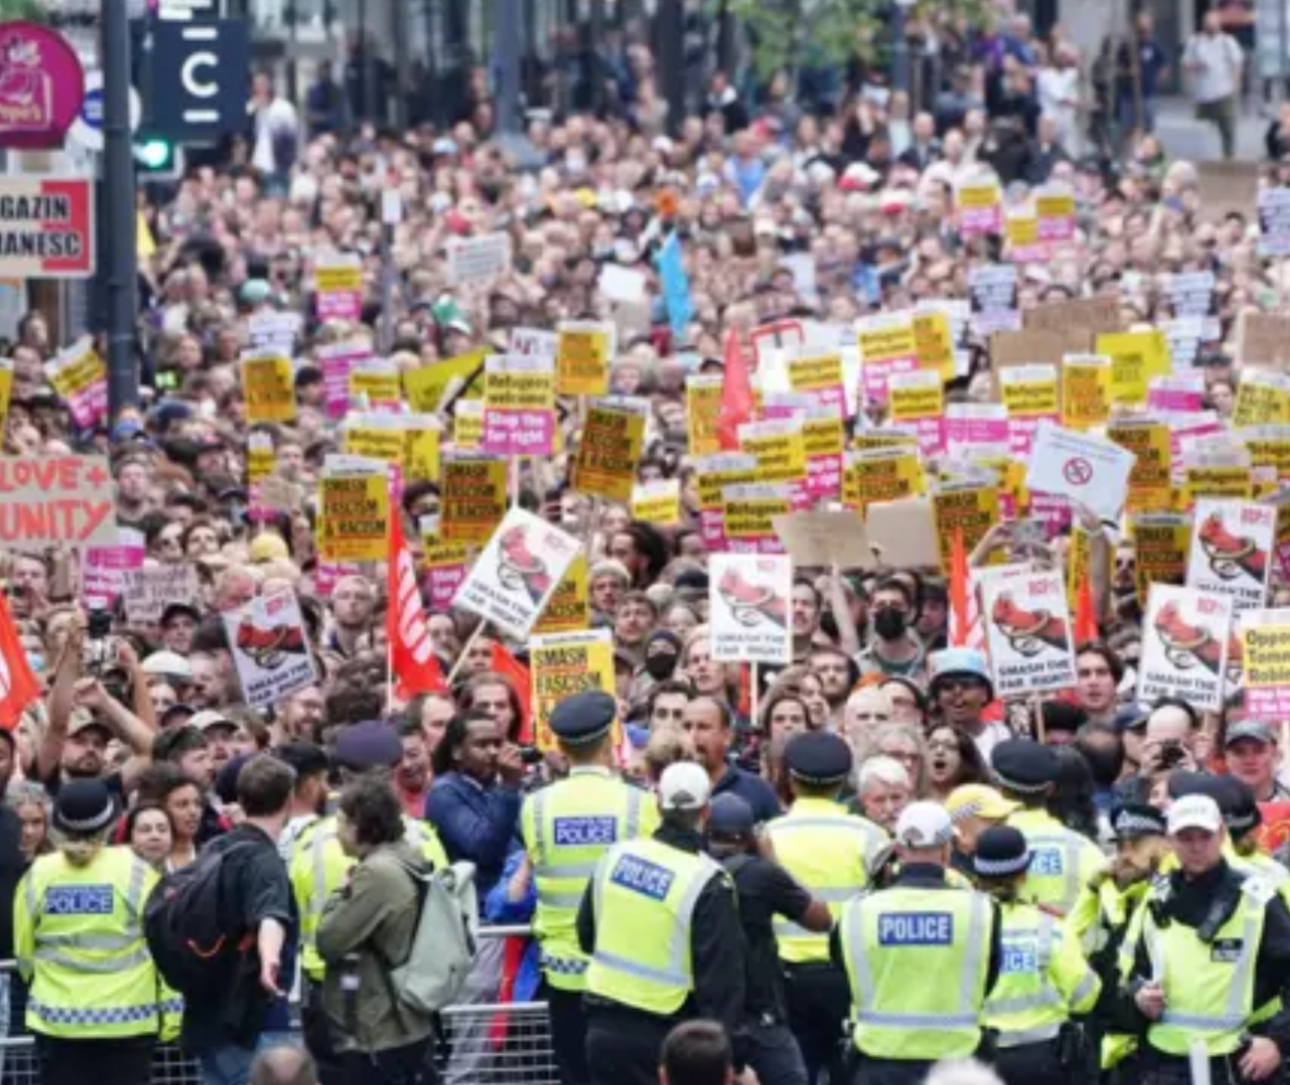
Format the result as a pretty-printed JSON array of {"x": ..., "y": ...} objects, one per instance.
[{"x": 1185, "y": 137}]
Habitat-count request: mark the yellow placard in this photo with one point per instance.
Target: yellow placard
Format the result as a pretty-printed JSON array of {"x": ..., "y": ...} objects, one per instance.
[
  {"x": 1076, "y": 565},
  {"x": 374, "y": 386},
  {"x": 1086, "y": 393},
  {"x": 1022, "y": 231},
  {"x": 657, "y": 502},
  {"x": 970, "y": 510},
  {"x": 609, "y": 452},
  {"x": 1150, "y": 481},
  {"x": 6, "y": 390},
  {"x": 753, "y": 517},
  {"x": 569, "y": 606},
  {"x": 582, "y": 361},
  {"x": 1262, "y": 398},
  {"x": 426, "y": 385},
  {"x": 1225, "y": 480},
  {"x": 354, "y": 517},
  {"x": 1136, "y": 357},
  {"x": 934, "y": 343},
  {"x": 881, "y": 475},
  {"x": 978, "y": 196},
  {"x": 815, "y": 372},
  {"x": 260, "y": 456},
  {"x": 268, "y": 383},
  {"x": 909, "y": 403},
  {"x": 703, "y": 408},
  {"x": 383, "y": 443},
  {"x": 781, "y": 457},
  {"x": 468, "y": 423},
  {"x": 421, "y": 453},
  {"x": 1056, "y": 206},
  {"x": 1028, "y": 392},
  {"x": 73, "y": 377},
  {"x": 874, "y": 440},
  {"x": 824, "y": 437},
  {"x": 713, "y": 482},
  {"x": 887, "y": 341},
  {"x": 1268, "y": 451},
  {"x": 338, "y": 278},
  {"x": 472, "y": 500},
  {"x": 562, "y": 665},
  {"x": 1161, "y": 543}
]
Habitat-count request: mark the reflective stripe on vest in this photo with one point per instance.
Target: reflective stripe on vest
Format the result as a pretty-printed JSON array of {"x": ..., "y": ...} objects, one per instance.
[
  {"x": 1174, "y": 1032},
  {"x": 1046, "y": 996},
  {"x": 1069, "y": 845},
  {"x": 786, "y": 928},
  {"x": 642, "y": 955},
  {"x": 967, "y": 1013},
  {"x": 1037, "y": 1035}
]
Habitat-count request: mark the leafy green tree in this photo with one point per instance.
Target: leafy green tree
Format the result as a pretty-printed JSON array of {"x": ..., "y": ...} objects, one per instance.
[{"x": 14, "y": 10}]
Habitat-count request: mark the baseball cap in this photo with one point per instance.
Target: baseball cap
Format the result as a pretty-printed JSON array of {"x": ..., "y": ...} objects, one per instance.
[
  {"x": 168, "y": 665},
  {"x": 208, "y": 718},
  {"x": 1255, "y": 729},
  {"x": 978, "y": 800},
  {"x": 923, "y": 825},
  {"x": 684, "y": 786},
  {"x": 1194, "y": 812}
]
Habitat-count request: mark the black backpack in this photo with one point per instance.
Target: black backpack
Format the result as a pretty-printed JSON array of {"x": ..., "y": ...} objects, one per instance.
[{"x": 190, "y": 944}]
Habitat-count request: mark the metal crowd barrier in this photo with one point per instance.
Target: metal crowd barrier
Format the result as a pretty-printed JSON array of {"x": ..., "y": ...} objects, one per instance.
[{"x": 503, "y": 1044}]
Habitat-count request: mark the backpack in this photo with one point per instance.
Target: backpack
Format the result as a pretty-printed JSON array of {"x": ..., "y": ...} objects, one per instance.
[
  {"x": 443, "y": 947},
  {"x": 182, "y": 923}
]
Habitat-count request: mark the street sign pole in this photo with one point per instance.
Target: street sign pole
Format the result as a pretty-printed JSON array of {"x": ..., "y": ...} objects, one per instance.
[{"x": 119, "y": 212}]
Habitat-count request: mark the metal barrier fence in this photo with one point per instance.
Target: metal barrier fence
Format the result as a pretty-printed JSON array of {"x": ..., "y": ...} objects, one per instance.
[{"x": 503, "y": 1043}]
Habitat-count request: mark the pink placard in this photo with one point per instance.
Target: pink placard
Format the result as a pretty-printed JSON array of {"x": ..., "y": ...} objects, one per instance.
[
  {"x": 89, "y": 405},
  {"x": 441, "y": 583},
  {"x": 42, "y": 86},
  {"x": 876, "y": 374},
  {"x": 103, "y": 572},
  {"x": 518, "y": 433}
]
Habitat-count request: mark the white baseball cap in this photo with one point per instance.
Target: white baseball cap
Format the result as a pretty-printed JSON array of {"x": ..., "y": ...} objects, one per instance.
[
  {"x": 924, "y": 825},
  {"x": 1194, "y": 812},
  {"x": 684, "y": 786},
  {"x": 168, "y": 665}
]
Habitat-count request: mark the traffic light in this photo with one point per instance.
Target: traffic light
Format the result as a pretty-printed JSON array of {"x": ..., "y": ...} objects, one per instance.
[{"x": 158, "y": 159}]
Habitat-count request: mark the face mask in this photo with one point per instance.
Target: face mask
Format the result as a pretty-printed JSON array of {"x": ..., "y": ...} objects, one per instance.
[
  {"x": 36, "y": 661},
  {"x": 889, "y": 624},
  {"x": 660, "y": 665}
]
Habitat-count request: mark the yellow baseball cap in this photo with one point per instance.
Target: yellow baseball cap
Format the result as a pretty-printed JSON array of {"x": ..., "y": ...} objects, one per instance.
[{"x": 978, "y": 800}]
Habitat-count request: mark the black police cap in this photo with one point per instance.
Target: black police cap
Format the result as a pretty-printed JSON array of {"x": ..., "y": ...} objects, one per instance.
[
  {"x": 818, "y": 757},
  {"x": 1134, "y": 820},
  {"x": 583, "y": 718},
  {"x": 729, "y": 815},
  {"x": 1001, "y": 851},
  {"x": 1024, "y": 766}
]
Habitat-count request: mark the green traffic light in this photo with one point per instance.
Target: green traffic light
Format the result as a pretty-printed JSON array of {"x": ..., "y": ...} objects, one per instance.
[{"x": 154, "y": 154}]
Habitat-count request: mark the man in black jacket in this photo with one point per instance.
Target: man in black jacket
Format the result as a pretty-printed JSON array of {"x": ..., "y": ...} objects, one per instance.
[{"x": 632, "y": 918}]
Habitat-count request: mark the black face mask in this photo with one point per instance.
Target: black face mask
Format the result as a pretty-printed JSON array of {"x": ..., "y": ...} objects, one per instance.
[
  {"x": 660, "y": 665},
  {"x": 889, "y": 624}
]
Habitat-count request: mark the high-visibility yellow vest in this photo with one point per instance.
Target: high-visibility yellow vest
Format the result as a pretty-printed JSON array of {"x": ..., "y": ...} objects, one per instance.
[
  {"x": 1208, "y": 987},
  {"x": 319, "y": 867},
  {"x": 566, "y": 828},
  {"x": 1043, "y": 978},
  {"x": 644, "y": 894},
  {"x": 78, "y": 937},
  {"x": 917, "y": 961},
  {"x": 1099, "y": 910},
  {"x": 170, "y": 1007},
  {"x": 831, "y": 853},
  {"x": 1063, "y": 861}
]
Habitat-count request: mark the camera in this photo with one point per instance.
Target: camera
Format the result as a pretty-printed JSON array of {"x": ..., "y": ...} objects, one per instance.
[
  {"x": 531, "y": 755},
  {"x": 1171, "y": 753}
]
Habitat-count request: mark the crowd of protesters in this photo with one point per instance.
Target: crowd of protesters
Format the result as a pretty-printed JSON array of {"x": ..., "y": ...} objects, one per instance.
[{"x": 820, "y": 206}]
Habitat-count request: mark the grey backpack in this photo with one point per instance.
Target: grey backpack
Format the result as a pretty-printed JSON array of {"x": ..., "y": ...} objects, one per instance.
[{"x": 443, "y": 948}]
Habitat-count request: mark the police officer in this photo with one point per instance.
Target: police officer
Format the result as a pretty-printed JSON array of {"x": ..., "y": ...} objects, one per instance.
[
  {"x": 833, "y": 854},
  {"x": 1062, "y": 860},
  {"x": 921, "y": 957},
  {"x": 661, "y": 924},
  {"x": 1209, "y": 945},
  {"x": 567, "y": 827},
  {"x": 1241, "y": 816},
  {"x": 1102, "y": 913},
  {"x": 766, "y": 891},
  {"x": 78, "y": 937},
  {"x": 1044, "y": 978},
  {"x": 319, "y": 866}
]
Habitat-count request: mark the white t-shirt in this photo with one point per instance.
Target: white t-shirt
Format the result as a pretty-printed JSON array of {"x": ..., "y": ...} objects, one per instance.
[
  {"x": 1056, "y": 87},
  {"x": 276, "y": 119},
  {"x": 1221, "y": 57}
]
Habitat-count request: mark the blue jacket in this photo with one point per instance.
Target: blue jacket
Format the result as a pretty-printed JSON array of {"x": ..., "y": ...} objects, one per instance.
[
  {"x": 499, "y": 910},
  {"x": 475, "y": 824}
]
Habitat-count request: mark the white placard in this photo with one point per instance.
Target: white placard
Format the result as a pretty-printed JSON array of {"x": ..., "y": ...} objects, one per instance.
[
  {"x": 1184, "y": 646},
  {"x": 1090, "y": 470},
  {"x": 478, "y": 259},
  {"x": 1231, "y": 550},
  {"x": 1028, "y": 630},
  {"x": 270, "y": 646},
  {"x": 749, "y": 603}
]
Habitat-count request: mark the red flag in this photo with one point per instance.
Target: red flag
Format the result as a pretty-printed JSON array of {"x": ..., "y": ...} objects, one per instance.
[
  {"x": 18, "y": 685},
  {"x": 1085, "y": 628},
  {"x": 736, "y": 394},
  {"x": 413, "y": 663},
  {"x": 517, "y": 675},
  {"x": 960, "y": 616}
]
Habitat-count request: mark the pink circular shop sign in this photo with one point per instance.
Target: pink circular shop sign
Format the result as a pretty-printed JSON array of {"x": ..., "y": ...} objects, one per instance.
[{"x": 42, "y": 86}]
